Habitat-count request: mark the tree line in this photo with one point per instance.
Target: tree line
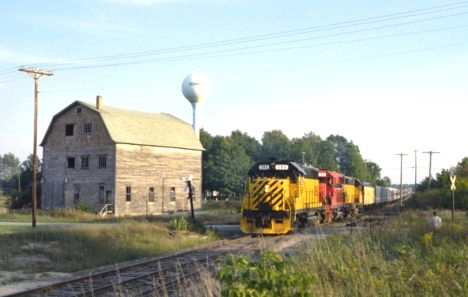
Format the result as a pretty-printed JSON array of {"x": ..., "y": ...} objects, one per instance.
[
  {"x": 227, "y": 159},
  {"x": 16, "y": 180}
]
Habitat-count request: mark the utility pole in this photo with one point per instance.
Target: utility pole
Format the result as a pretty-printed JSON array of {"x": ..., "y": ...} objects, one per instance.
[
  {"x": 430, "y": 167},
  {"x": 401, "y": 176},
  {"x": 415, "y": 170},
  {"x": 35, "y": 74}
]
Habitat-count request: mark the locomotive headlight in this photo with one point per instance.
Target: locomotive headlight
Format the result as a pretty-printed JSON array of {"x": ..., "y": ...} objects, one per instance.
[{"x": 267, "y": 188}]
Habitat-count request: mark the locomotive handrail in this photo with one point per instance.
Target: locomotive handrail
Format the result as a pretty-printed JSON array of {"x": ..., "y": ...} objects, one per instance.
[{"x": 290, "y": 209}]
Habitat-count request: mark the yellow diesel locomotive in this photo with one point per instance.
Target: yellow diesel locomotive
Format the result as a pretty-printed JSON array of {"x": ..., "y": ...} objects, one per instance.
[
  {"x": 352, "y": 195},
  {"x": 280, "y": 196}
]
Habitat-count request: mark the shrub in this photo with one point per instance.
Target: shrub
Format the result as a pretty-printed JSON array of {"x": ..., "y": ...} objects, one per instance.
[
  {"x": 179, "y": 224},
  {"x": 271, "y": 275},
  {"x": 437, "y": 199},
  {"x": 84, "y": 207}
]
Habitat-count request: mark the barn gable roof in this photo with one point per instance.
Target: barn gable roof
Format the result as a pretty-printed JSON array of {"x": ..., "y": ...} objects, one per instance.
[{"x": 142, "y": 128}]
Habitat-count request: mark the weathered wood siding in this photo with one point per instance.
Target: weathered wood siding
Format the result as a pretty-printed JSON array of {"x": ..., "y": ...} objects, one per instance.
[
  {"x": 142, "y": 167},
  {"x": 139, "y": 167},
  {"x": 59, "y": 181}
]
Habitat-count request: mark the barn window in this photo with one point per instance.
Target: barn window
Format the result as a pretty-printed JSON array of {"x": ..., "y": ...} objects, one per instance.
[
  {"x": 151, "y": 194},
  {"x": 69, "y": 129},
  {"x": 87, "y": 128},
  {"x": 71, "y": 162},
  {"x": 101, "y": 194},
  {"x": 102, "y": 161},
  {"x": 76, "y": 193},
  {"x": 173, "y": 194},
  {"x": 84, "y": 162},
  {"x": 128, "y": 193},
  {"x": 78, "y": 110}
]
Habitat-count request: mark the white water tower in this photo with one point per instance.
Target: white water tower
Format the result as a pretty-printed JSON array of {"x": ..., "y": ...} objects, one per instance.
[{"x": 196, "y": 87}]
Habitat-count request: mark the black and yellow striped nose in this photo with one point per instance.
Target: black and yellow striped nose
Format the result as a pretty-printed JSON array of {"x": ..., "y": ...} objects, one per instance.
[{"x": 268, "y": 192}]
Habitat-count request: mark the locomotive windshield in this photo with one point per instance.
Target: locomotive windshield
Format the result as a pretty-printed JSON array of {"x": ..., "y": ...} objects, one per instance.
[{"x": 282, "y": 169}]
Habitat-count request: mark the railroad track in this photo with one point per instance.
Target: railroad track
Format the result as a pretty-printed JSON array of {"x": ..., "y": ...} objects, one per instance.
[
  {"x": 170, "y": 275},
  {"x": 381, "y": 213},
  {"x": 160, "y": 276}
]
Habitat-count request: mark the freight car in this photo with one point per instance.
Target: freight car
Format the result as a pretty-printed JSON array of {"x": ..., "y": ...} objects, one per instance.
[{"x": 369, "y": 194}]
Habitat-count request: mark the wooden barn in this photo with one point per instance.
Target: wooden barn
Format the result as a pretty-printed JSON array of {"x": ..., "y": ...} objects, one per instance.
[{"x": 119, "y": 161}]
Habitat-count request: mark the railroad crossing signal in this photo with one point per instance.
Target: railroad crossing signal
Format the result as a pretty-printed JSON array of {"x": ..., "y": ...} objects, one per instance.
[
  {"x": 452, "y": 179},
  {"x": 453, "y": 188}
]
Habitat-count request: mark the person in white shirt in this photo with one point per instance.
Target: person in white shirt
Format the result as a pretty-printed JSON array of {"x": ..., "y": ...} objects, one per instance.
[{"x": 435, "y": 221}]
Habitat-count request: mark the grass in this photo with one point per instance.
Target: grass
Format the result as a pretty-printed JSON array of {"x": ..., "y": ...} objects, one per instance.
[
  {"x": 220, "y": 212},
  {"x": 67, "y": 248},
  {"x": 212, "y": 212},
  {"x": 404, "y": 257},
  {"x": 72, "y": 248},
  {"x": 401, "y": 257}
]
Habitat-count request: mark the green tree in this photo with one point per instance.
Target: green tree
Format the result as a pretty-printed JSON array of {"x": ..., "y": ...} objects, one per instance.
[
  {"x": 352, "y": 163},
  {"x": 208, "y": 181},
  {"x": 23, "y": 198},
  {"x": 275, "y": 145},
  {"x": 225, "y": 167},
  {"x": 339, "y": 144},
  {"x": 9, "y": 169},
  {"x": 9, "y": 166},
  {"x": 384, "y": 182},
  {"x": 250, "y": 144},
  {"x": 373, "y": 172},
  {"x": 326, "y": 159},
  {"x": 348, "y": 157},
  {"x": 306, "y": 149},
  {"x": 205, "y": 139},
  {"x": 461, "y": 172}
]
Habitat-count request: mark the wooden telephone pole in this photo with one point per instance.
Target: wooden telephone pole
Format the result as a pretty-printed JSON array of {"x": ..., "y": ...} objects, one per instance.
[
  {"x": 430, "y": 167},
  {"x": 36, "y": 74},
  {"x": 401, "y": 177}
]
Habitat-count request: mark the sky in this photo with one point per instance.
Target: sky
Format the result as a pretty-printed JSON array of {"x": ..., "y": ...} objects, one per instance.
[{"x": 390, "y": 76}]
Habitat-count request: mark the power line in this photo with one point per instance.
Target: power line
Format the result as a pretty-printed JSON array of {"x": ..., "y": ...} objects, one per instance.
[
  {"x": 240, "y": 51},
  {"x": 233, "y": 51},
  {"x": 263, "y": 37},
  {"x": 242, "y": 46},
  {"x": 287, "y": 67}
]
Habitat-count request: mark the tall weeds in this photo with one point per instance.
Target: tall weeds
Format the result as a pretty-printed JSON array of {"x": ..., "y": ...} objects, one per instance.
[{"x": 404, "y": 257}]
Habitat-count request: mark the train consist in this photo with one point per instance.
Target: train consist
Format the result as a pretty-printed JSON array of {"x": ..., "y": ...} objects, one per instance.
[{"x": 283, "y": 195}]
